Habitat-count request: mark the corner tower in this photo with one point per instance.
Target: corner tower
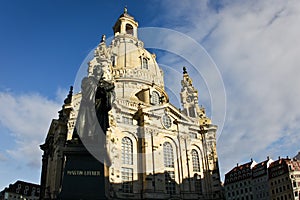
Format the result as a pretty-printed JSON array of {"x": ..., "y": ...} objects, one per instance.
[
  {"x": 189, "y": 100},
  {"x": 189, "y": 97}
]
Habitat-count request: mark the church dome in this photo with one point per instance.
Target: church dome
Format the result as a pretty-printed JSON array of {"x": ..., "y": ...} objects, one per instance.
[
  {"x": 129, "y": 57},
  {"x": 131, "y": 60},
  {"x": 128, "y": 64}
]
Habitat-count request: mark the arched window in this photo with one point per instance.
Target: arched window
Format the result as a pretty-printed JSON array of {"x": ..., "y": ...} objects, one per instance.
[
  {"x": 145, "y": 63},
  {"x": 127, "y": 151},
  {"x": 195, "y": 159},
  {"x": 129, "y": 29},
  {"x": 168, "y": 155}
]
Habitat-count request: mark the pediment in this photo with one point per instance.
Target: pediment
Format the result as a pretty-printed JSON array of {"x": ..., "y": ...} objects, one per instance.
[{"x": 159, "y": 110}]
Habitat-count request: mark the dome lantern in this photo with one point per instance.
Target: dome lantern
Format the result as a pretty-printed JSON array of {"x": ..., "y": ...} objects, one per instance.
[{"x": 125, "y": 25}]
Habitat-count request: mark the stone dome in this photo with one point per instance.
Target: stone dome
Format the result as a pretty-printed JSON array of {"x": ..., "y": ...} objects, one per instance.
[{"x": 131, "y": 60}]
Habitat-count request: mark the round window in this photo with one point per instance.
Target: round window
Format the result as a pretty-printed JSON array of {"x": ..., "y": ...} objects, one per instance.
[{"x": 167, "y": 122}]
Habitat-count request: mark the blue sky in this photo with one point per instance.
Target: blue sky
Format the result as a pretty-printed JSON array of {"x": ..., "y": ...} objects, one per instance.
[{"x": 254, "y": 44}]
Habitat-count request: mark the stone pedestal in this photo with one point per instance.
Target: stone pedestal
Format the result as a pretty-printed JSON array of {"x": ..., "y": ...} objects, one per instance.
[{"x": 83, "y": 177}]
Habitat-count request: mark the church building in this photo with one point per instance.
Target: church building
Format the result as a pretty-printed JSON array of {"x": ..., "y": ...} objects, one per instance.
[{"x": 121, "y": 138}]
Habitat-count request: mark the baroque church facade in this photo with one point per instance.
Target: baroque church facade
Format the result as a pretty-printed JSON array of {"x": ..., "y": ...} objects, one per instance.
[{"x": 121, "y": 138}]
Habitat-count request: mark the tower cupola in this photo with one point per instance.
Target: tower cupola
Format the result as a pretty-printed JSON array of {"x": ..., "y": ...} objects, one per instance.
[{"x": 125, "y": 25}]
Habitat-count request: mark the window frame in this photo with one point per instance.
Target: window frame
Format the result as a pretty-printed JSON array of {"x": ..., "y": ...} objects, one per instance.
[
  {"x": 127, "y": 179},
  {"x": 145, "y": 63},
  {"x": 127, "y": 151},
  {"x": 129, "y": 29},
  {"x": 168, "y": 155},
  {"x": 195, "y": 161}
]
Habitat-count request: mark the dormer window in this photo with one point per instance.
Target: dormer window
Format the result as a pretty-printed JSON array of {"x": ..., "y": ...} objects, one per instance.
[
  {"x": 154, "y": 98},
  {"x": 145, "y": 63},
  {"x": 129, "y": 29}
]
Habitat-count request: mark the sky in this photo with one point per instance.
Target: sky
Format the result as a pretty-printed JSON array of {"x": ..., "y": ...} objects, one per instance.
[{"x": 253, "y": 47}]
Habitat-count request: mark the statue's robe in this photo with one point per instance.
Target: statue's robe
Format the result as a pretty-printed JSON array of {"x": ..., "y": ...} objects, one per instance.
[
  {"x": 87, "y": 125},
  {"x": 92, "y": 120}
]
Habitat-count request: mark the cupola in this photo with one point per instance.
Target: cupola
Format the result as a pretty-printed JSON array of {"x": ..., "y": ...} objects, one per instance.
[{"x": 125, "y": 25}]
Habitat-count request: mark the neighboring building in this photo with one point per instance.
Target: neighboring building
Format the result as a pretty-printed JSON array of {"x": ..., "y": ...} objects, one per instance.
[
  {"x": 284, "y": 179},
  {"x": 21, "y": 190},
  {"x": 238, "y": 182},
  {"x": 152, "y": 150},
  {"x": 260, "y": 180},
  {"x": 274, "y": 180}
]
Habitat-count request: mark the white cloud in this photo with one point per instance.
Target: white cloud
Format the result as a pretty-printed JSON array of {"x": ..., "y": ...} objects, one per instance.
[
  {"x": 256, "y": 46},
  {"x": 27, "y": 117},
  {"x": 2, "y": 157}
]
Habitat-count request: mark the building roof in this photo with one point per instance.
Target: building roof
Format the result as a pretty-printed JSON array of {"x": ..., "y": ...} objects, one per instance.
[
  {"x": 23, "y": 188},
  {"x": 279, "y": 167},
  {"x": 261, "y": 169},
  {"x": 241, "y": 167},
  {"x": 261, "y": 164},
  {"x": 240, "y": 172},
  {"x": 280, "y": 161}
]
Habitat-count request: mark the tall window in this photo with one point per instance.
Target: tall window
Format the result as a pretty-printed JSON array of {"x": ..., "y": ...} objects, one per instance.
[
  {"x": 127, "y": 180},
  {"x": 168, "y": 155},
  {"x": 195, "y": 159},
  {"x": 127, "y": 151},
  {"x": 170, "y": 182}
]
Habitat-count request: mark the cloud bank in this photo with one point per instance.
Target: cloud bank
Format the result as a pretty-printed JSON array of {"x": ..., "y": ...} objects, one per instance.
[
  {"x": 255, "y": 45},
  {"x": 27, "y": 117}
]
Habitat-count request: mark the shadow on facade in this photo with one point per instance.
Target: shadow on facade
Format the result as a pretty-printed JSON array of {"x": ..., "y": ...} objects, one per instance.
[
  {"x": 71, "y": 172},
  {"x": 160, "y": 186},
  {"x": 81, "y": 176}
]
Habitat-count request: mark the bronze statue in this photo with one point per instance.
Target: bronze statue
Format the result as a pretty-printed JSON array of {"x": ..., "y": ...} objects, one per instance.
[{"x": 97, "y": 96}]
